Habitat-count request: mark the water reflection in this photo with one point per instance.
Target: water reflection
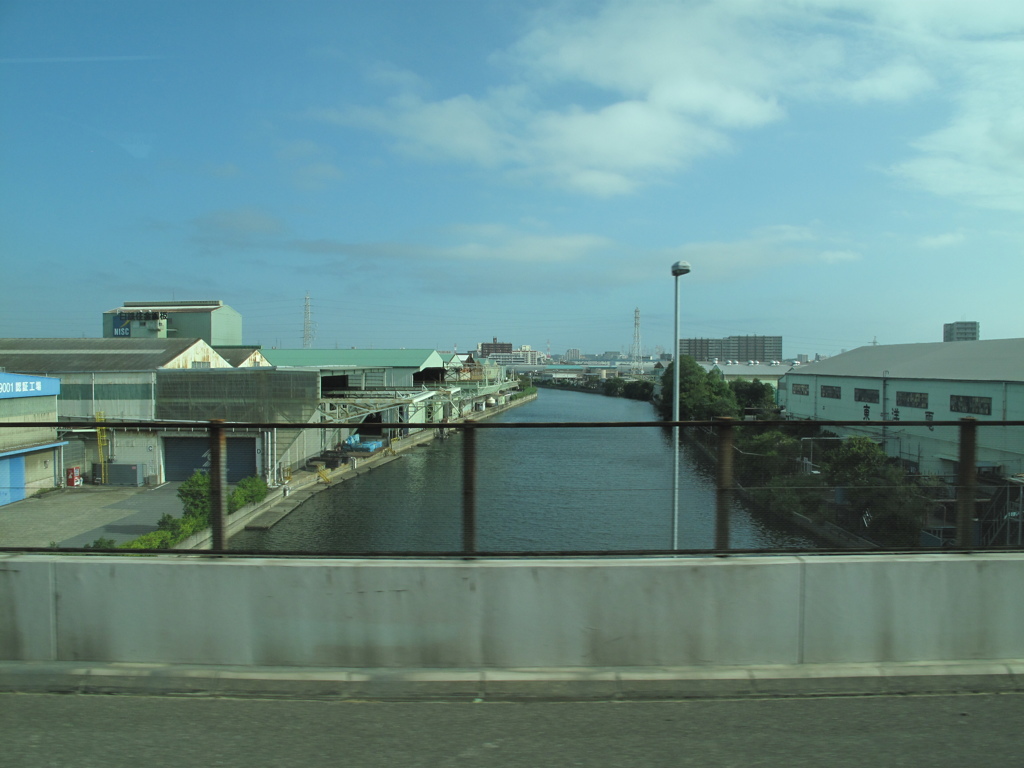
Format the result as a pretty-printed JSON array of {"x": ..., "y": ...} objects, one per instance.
[{"x": 537, "y": 490}]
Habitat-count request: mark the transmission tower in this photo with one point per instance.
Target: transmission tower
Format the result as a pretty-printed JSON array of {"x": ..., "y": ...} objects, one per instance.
[
  {"x": 308, "y": 329},
  {"x": 636, "y": 355}
]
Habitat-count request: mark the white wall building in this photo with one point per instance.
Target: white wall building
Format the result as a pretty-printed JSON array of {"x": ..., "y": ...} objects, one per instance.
[
  {"x": 941, "y": 381},
  {"x": 522, "y": 356}
]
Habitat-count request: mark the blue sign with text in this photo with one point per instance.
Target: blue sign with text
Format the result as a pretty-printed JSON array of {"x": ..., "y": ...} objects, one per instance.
[
  {"x": 122, "y": 324},
  {"x": 16, "y": 385}
]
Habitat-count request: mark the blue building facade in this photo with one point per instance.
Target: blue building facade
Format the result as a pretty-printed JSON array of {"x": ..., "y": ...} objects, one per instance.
[{"x": 30, "y": 457}]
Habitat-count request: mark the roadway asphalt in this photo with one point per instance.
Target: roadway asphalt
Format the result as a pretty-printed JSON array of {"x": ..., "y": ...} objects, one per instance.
[{"x": 113, "y": 731}]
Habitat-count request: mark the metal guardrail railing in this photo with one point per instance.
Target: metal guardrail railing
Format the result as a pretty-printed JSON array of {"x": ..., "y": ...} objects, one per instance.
[{"x": 723, "y": 430}]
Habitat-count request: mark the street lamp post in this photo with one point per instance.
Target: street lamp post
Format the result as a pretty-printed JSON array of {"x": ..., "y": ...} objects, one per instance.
[{"x": 678, "y": 269}]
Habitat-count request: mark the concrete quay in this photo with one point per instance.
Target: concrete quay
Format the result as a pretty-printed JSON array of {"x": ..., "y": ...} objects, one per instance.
[{"x": 75, "y": 517}]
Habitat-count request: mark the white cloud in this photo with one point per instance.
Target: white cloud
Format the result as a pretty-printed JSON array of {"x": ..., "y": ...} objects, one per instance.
[
  {"x": 237, "y": 229},
  {"x": 316, "y": 176},
  {"x": 945, "y": 240},
  {"x": 224, "y": 171},
  {"x": 300, "y": 149},
  {"x": 835, "y": 257},
  {"x": 979, "y": 157},
  {"x": 238, "y": 222},
  {"x": 310, "y": 165},
  {"x": 500, "y": 244},
  {"x": 460, "y": 128},
  {"x": 657, "y": 84},
  {"x": 897, "y": 81},
  {"x": 767, "y": 249},
  {"x": 784, "y": 233},
  {"x": 485, "y": 245}
]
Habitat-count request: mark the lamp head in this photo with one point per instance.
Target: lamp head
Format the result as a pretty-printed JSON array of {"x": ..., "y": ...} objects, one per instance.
[{"x": 680, "y": 268}]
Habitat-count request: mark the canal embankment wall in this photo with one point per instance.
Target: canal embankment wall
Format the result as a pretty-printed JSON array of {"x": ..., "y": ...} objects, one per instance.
[
  {"x": 539, "y": 613},
  {"x": 285, "y": 499}
]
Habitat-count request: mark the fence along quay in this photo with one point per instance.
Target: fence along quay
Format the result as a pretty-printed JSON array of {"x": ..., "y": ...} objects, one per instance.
[
  {"x": 472, "y": 609},
  {"x": 965, "y": 491}
]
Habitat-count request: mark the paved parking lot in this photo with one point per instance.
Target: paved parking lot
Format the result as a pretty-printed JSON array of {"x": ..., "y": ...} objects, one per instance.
[{"x": 74, "y": 517}]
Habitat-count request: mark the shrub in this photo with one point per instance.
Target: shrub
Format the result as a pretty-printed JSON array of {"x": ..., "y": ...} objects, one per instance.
[
  {"x": 102, "y": 543},
  {"x": 154, "y": 540},
  {"x": 195, "y": 496},
  {"x": 169, "y": 523},
  {"x": 249, "y": 490}
]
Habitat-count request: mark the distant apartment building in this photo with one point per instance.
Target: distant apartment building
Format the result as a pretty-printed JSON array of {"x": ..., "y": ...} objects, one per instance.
[
  {"x": 522, "y": 356},
  {"x": 572, "y": 354},
  {"x": 743, "y": 348},
  {"x": 962, "y": 330},
  {"x": 486, "y": 349}
]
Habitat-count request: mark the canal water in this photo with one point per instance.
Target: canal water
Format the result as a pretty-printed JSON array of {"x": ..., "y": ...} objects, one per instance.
[{"x": 593, "y": 488}]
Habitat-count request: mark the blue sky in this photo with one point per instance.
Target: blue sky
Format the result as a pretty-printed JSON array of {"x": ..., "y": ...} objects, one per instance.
[{"x": 438, "y": 173}]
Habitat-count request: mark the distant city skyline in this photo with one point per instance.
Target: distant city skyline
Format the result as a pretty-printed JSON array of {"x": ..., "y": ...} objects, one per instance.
[{"x": 438, "y": 174}]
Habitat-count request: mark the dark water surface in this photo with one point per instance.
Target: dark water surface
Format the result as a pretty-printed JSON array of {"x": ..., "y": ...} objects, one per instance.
[{"x": 537, "y": 490}]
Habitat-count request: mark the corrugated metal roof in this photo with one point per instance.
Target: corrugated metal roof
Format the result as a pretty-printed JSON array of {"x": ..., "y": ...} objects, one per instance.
[
  {"x": 236, "y": 355},
  {"x": 170, "y": 306},
  {"x": 362, "y": 358},
  {"x": 758, "y": 370},
  {"x": 990, "y": 360},
  {"x": 65, "y": 355}
]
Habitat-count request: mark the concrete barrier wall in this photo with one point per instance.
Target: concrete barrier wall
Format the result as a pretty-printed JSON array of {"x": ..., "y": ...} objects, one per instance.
[{"x": 511, "y": 613}]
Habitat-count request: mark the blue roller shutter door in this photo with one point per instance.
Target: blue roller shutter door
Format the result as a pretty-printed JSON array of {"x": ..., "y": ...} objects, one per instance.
[{"x": 184, "y": 455}]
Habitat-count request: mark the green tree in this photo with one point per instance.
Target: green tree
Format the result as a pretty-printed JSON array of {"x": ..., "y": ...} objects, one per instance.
[
  {"x": 638, "y": 390},
  {"x": 762, "y": 456},
  {"x": 801, "y": 493},
  {"x": 854, "y": 462},
  {"x": 703, "y": 395},
  {"x": 613, "y": 387},
  {"x": 889, "y": 504},
  {"x": 754, "y": 396}
]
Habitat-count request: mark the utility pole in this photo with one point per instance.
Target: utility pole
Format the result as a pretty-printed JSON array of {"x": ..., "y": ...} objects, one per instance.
[
  {"x": 636, "y": 355},
  {"x": 308, "y": 330}
]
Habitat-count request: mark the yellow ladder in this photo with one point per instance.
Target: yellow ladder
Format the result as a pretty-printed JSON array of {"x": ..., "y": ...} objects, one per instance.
[{"x": 101, "y": 443}]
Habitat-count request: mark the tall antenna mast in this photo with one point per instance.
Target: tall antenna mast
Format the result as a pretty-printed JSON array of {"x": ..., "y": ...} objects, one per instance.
[
  {"x": 308, "y": 329},
  {"x": 637, "y": 355}
]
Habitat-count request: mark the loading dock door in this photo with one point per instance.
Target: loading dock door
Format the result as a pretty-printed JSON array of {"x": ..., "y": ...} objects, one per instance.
[
  {"x": 184, "y": 455},
  {"x": 12, "y": 479}
]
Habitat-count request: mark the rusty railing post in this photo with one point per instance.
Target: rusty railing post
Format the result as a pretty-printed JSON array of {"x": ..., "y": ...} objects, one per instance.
[
  {"x": 723, "y": 496},
  {"x": 469, "y": 491},
  {"x": 967, "y": 482},
  {"x": 218, "y": 483}
]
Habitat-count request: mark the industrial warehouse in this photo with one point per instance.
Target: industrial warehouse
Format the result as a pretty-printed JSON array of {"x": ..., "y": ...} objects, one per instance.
[{"x": 145, "y": 369}]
